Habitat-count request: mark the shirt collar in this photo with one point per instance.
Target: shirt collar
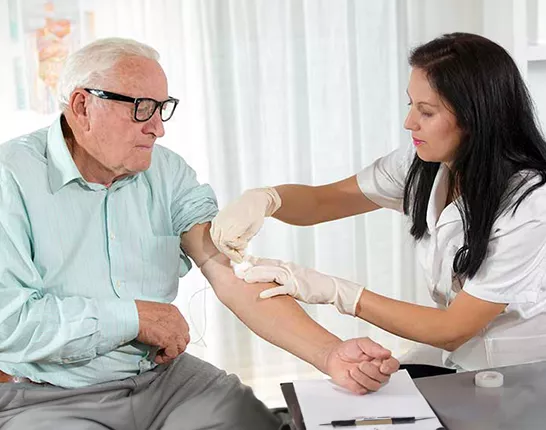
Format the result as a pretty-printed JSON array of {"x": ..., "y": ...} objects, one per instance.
[
  {"x": 61, "y": 168},
  {"x": 437, "y": 213}
]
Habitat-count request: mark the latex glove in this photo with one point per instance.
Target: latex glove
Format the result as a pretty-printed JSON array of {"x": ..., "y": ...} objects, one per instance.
[
  {"x": 240, "y": 220},
  {"x": 303, "y": 284}
]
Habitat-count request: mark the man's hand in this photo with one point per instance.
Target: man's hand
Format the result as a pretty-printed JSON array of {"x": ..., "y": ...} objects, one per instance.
[
  {"x": 360, "y": 365},
  {"x": 162, "y": 325}
]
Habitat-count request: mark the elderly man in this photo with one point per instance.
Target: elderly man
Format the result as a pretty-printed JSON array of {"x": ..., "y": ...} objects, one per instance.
[{"x": 96, "y": 225}]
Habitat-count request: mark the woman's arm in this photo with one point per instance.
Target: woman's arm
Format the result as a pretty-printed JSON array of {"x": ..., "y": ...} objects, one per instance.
[
  {"x": 237, "y": 223},
  {"x": 307, "y": 205},
  {"x": 447, "y": 329}
]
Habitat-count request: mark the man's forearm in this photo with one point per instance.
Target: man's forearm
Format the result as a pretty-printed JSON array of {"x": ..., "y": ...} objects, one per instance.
[{"x": 280, "y": 321}]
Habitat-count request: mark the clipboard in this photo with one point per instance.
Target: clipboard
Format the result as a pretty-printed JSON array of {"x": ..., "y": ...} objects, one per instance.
[
  {"x": 394, "y": 400},
  {"x": 293, "y": 405}
]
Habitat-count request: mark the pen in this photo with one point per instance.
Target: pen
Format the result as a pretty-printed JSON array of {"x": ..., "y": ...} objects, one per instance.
[{"x": 374, "y": 421}]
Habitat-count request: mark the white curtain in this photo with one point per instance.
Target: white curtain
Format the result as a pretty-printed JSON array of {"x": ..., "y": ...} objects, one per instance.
[{"x": 286, "y": 91}]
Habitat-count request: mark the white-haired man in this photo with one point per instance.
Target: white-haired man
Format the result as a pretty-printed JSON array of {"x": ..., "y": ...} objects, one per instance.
[{"x": 96, "y": 225}]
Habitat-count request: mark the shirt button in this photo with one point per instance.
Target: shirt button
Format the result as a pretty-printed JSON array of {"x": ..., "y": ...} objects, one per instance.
[
  {"x": 112, "y": 236},
  {"x": 118, "y": 284}
]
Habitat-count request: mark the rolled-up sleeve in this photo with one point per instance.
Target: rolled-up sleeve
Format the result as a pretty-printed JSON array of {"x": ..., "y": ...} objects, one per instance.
[
  {"x": 192, "y": 203},
  {"x": 384, "y": 180},
  {"x": 39, "y": 327}
]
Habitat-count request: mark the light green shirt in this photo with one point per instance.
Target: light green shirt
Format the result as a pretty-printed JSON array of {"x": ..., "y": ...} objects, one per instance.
[{"x": 75, "y": 255}]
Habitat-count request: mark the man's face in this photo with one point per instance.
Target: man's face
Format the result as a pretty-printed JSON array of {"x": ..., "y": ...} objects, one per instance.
[{"x": 117, "y": 142}]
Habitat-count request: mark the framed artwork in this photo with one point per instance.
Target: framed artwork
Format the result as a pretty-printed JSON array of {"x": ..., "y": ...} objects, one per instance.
[{"x": 44, "y": 33}]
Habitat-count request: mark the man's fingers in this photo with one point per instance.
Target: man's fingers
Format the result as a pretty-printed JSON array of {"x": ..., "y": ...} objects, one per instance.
[
  {"x": 389, "y": 366},
  {"x": 162, "y": 358},
  {"x": 171, "y": 350},
  {"x": 159, "y": 359},
  {"x": 350, "y": 384},
  {"x": 365, "y": 380},
  {"x": 183, "y": 342},
  {"x": 184, "y": 333},
  {"x": 170, "y": 332},
  {"x": 182, "y": 339},
  {"x": 373, "y": 349},
  {"x": 373, "y": 371},
  {"x": 377, "y": 362}
]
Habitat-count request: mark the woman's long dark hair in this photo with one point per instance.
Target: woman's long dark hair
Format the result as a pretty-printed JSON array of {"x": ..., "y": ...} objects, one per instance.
[{"x": 482, "y": 86}]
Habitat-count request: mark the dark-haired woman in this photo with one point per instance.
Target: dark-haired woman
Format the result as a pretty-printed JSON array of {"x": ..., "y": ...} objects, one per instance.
[{"x": 473, "y": 183}]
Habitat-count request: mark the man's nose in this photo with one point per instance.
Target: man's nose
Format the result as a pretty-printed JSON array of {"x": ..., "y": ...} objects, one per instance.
[{"x": 154, "y": 125}]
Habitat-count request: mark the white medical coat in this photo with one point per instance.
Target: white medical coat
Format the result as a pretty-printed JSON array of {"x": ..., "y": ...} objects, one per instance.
[{"x": 513, "y": 271}]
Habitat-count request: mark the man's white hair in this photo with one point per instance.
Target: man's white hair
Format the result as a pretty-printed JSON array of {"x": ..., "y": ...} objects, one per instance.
[{"x": 89, "y": 65}]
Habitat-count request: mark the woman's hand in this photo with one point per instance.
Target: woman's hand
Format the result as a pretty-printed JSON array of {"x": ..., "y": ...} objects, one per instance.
[
  {"x": 306, "y": 285},
  {"x": 239, "y": 221}
]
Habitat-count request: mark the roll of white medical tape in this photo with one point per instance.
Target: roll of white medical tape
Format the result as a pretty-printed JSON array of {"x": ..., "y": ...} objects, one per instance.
[{"x": 489, "y": 379}]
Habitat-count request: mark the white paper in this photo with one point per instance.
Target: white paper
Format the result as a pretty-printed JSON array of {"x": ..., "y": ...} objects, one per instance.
[{"x": 321, "y": 401}]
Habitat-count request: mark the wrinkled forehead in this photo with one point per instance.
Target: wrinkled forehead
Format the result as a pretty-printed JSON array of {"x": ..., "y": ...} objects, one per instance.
[{"x": 137, "y": 77}]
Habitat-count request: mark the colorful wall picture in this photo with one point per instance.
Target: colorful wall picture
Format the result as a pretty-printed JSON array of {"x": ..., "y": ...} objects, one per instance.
[{"x": 47, "y": 31}]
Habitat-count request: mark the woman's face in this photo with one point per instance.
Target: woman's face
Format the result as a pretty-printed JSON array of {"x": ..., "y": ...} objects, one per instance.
[{"x": 433, "y": 126}]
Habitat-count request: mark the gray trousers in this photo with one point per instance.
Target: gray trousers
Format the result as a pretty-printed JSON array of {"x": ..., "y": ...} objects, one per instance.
[{"x": 188, "y": 394}]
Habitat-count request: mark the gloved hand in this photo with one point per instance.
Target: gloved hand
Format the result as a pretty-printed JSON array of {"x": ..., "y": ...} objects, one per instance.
[
  {"x": 306, "y": 285},
  {"x": 240, "y": 220}
]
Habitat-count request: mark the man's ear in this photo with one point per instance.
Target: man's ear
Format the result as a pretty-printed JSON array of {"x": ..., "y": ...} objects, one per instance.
[{"x": 78, "y": 105}]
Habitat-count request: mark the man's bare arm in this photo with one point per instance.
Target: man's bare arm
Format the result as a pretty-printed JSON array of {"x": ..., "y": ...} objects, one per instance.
[{"x": 280, "y": 321}]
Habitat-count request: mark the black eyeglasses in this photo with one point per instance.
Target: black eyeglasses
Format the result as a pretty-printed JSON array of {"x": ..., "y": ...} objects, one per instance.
[{"x": 144, "y": 107}]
